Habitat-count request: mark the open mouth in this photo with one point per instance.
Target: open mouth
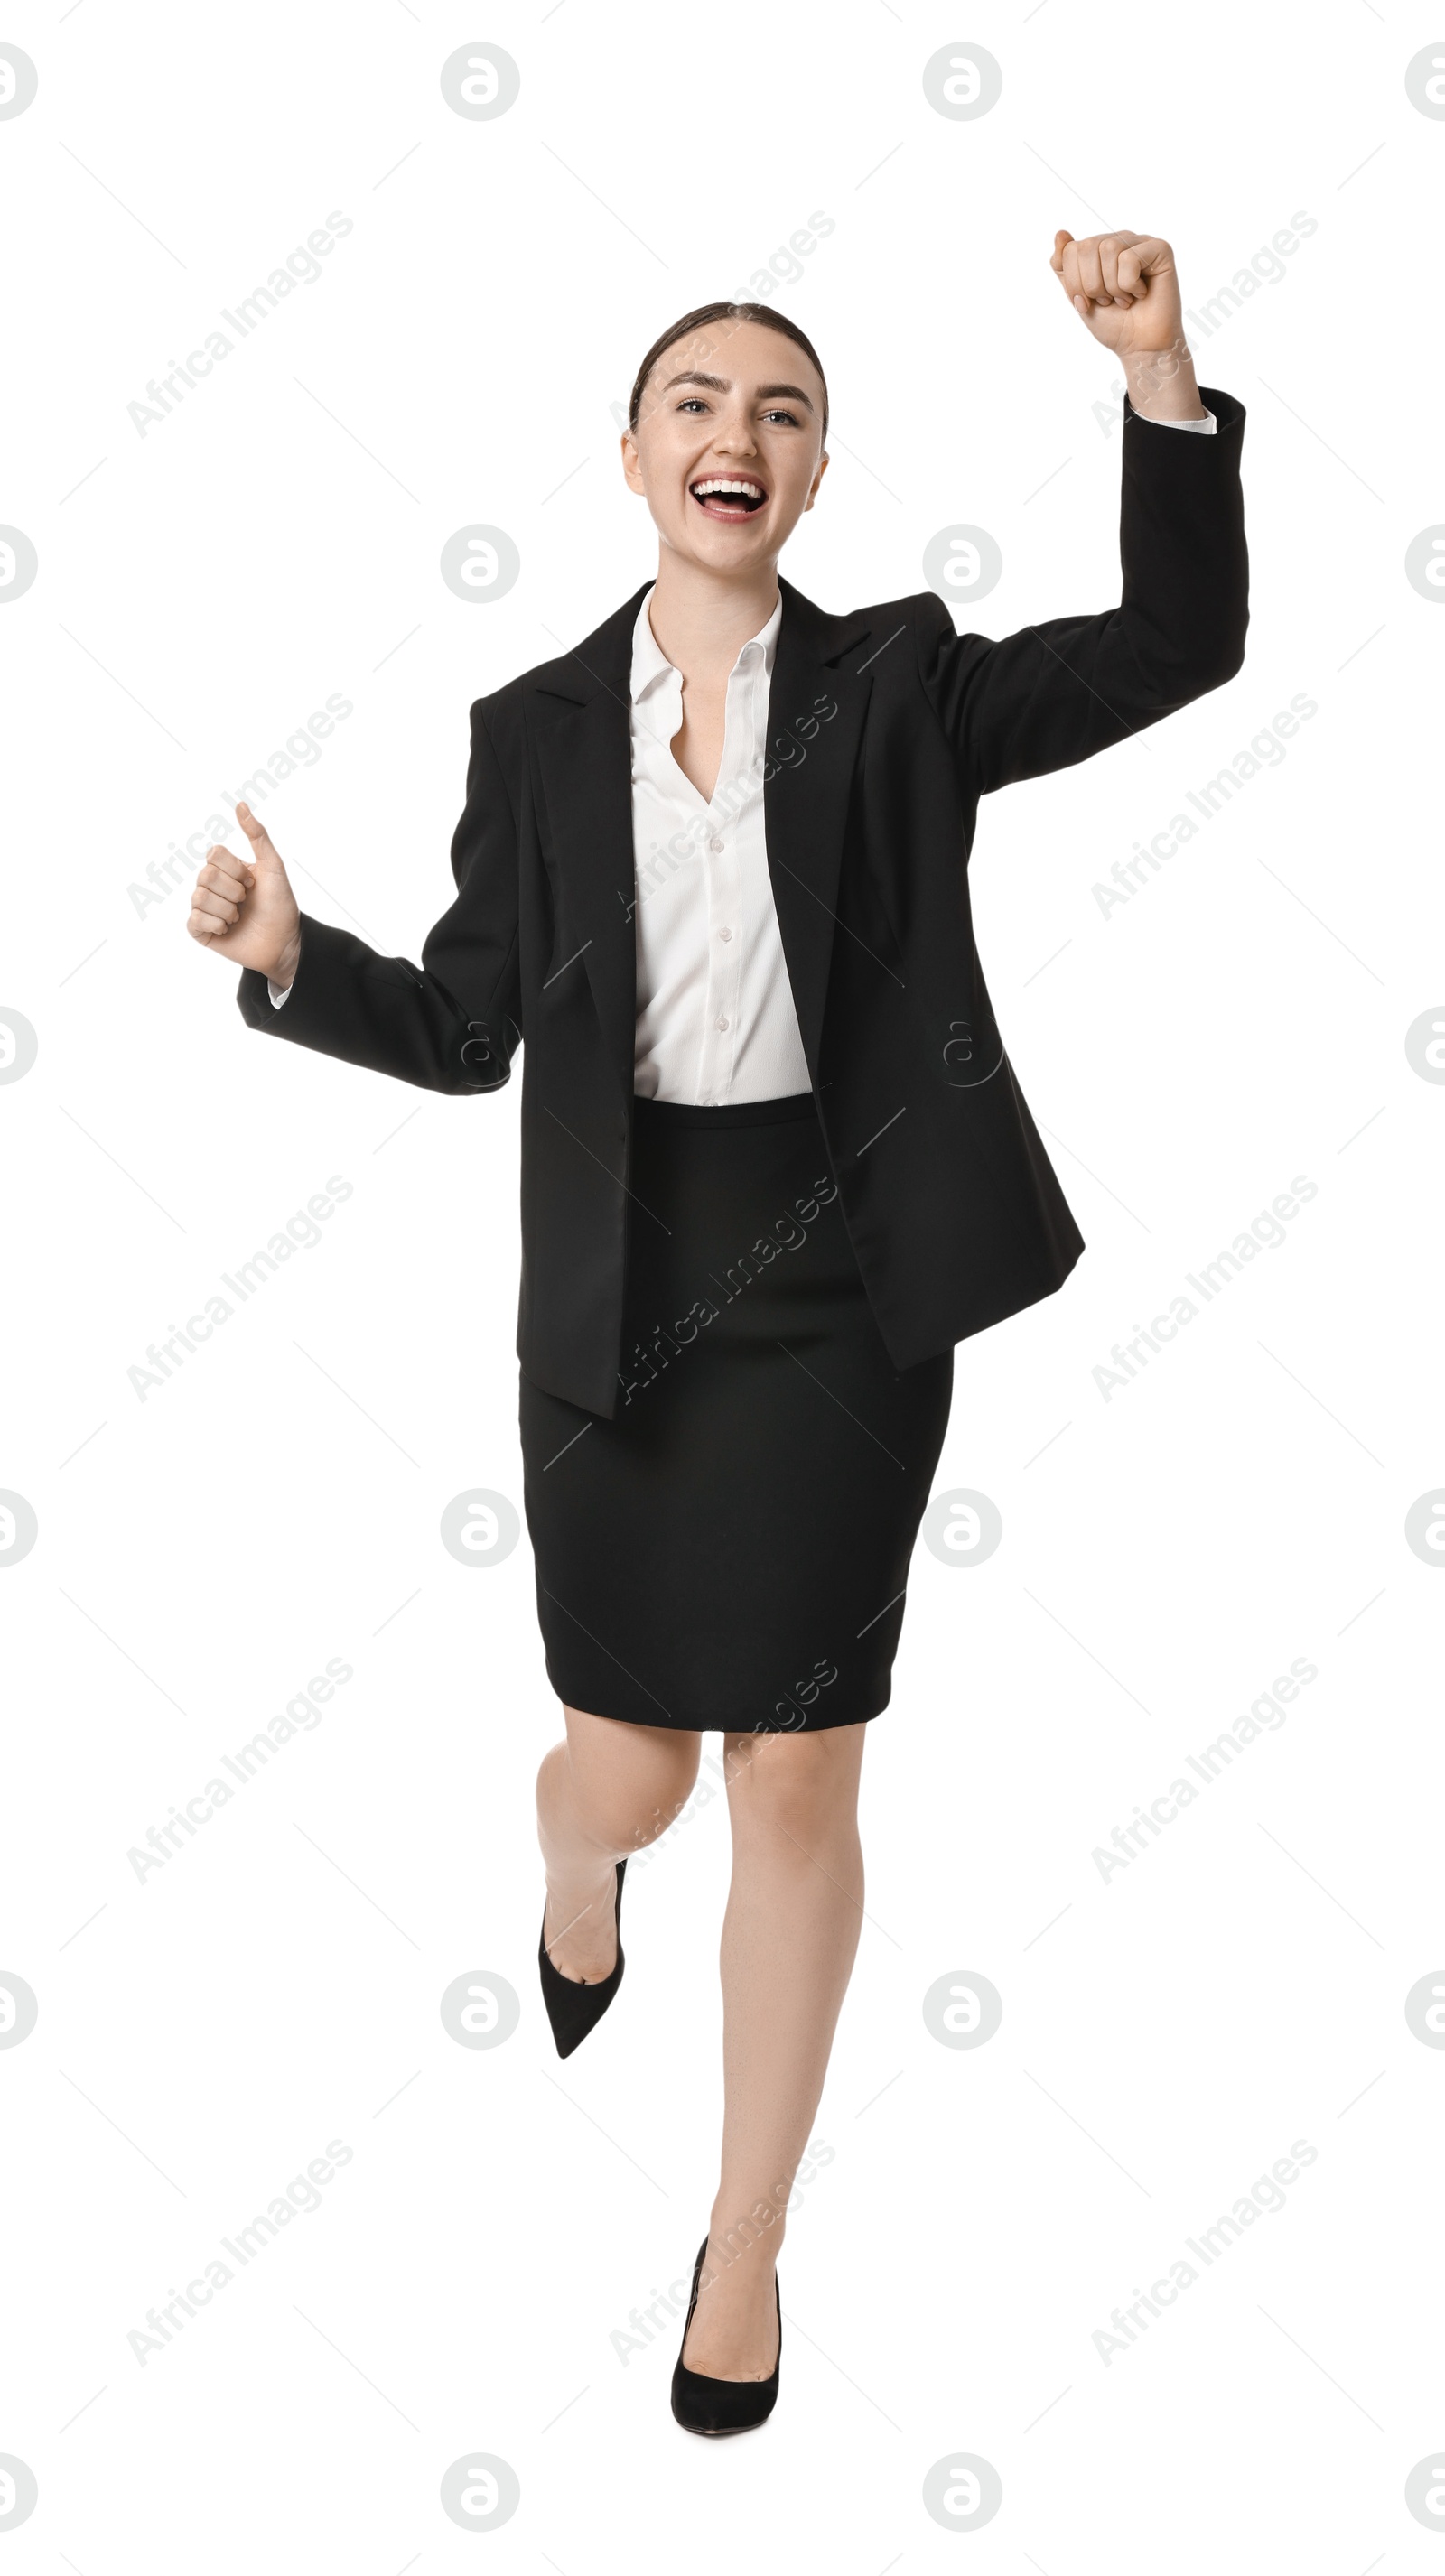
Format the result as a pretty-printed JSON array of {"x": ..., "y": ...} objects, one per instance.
[{"x": 730, "y": 496}]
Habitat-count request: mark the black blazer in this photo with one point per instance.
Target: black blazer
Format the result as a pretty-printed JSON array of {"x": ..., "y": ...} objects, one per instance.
[{"x": 884, "y": 729}]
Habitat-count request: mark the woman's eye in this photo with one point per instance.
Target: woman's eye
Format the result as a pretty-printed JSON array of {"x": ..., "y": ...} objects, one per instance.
[
  {"x": 790, "y": 417},
  {"x": 692, "y": 402}
]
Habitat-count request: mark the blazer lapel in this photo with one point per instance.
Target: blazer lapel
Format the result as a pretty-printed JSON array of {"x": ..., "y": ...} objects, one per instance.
[
  {"x": 580, "y": 706},
  {"x": 815, "y": 722}
]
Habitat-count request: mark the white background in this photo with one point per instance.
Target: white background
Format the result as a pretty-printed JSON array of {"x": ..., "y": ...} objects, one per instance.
[{"x": 276, "y": 1503}]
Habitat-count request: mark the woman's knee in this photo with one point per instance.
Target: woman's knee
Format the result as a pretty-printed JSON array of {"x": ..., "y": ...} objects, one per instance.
[
  {"x": 802, "y": 1786},
  {"x": 631, "y": 1781}
]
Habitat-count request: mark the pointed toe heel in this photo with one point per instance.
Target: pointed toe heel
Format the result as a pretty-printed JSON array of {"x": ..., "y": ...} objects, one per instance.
[
  {"x": 717, "y": 2406},
  {"x": 572, "y": 2008}
]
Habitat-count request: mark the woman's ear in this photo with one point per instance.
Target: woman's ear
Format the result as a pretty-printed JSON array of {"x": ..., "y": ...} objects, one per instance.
[
  {"x": 817, "y": 479},
  {"x": 631, "y": 462}
]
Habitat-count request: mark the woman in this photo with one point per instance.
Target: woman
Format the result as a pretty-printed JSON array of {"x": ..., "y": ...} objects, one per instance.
[{"x": 775, "y": 1163}]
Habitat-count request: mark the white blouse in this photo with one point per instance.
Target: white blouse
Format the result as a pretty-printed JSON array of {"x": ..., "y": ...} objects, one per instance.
[{"x": 715, "y": 1014}]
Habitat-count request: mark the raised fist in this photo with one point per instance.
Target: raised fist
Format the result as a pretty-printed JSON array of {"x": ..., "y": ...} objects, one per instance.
[{"x": 1124, "y": 286}]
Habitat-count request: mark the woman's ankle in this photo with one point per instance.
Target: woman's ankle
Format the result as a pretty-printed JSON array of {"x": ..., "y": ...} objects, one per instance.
[{"x": 733, "y": 2243}]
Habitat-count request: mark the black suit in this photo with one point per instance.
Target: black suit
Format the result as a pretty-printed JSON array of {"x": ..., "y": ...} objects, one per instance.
[{"x": 885, "y": 728}]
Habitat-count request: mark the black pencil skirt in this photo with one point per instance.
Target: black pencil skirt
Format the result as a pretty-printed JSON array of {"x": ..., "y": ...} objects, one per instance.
[{"x": 732, "y": 1550}]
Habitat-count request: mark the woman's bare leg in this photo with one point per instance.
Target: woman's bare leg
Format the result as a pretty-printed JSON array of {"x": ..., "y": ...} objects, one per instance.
[
  {"x": 791, "y": 1929},
  {"x": 608, "y": 1790}
]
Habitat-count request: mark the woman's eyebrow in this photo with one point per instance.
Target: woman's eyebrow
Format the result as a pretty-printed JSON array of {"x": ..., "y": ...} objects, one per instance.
[{"x": 723, "y": 385}]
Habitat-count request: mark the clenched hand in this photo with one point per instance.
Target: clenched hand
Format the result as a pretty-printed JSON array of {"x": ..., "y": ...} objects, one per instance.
[
  {"x": 1125, "y": 288},
  {"x": 244, "y": 909}
]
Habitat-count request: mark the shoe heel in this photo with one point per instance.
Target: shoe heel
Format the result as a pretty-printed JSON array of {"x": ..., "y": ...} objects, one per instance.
[
  {"x": 574, "y": 2009},
  {"x": 718, "y": 2406}
]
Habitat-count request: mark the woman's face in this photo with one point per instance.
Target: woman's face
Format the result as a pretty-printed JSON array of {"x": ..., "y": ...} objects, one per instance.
[{"x": 740, "y": 405}]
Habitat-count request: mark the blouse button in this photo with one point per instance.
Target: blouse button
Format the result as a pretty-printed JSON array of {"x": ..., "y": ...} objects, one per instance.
[
  {"x": 714, "y": 844},
  {"x": 724, "y": 934},
  {"x": 722, "y": 1024}
]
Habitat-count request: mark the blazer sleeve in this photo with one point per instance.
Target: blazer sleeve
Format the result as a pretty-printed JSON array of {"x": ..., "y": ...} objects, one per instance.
[
  {"x": 451, "y": 1024},
  {"x": 1055, "y": 693}
]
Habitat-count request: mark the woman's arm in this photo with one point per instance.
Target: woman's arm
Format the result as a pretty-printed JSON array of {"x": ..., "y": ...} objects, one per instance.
[
  {"x": 1055, "y": 693},
  {"x": 451, "y": 1024}
]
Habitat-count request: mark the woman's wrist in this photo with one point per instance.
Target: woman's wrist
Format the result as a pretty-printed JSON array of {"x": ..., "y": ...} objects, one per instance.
[
  {"x": 1162, "y": 383},
  {"x": 283, "y": 973}
]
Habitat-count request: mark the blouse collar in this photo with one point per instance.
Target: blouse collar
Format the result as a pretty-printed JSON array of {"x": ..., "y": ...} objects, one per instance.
[{"x": 650, "y": 664}]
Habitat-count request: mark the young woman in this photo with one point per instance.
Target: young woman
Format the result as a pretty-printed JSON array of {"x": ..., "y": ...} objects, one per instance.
[{"x": 775, "y": 1164}]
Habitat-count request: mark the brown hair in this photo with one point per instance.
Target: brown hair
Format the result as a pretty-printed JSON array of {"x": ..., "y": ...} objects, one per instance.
[{"x": 724, "y": 312}]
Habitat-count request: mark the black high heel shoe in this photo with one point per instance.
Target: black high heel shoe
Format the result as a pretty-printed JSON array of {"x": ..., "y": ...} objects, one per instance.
[
  {"x": 704, "y": 2405},
  {"x": 572, "y": 2008}
]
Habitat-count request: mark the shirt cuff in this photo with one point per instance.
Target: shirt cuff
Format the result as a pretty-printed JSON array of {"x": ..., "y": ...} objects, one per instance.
[
  {"x": 1206, "y": 427},
  {"x": 278, "y": 993}
]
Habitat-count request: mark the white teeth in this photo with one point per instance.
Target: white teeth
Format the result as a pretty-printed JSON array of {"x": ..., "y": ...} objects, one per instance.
[{"x": 750, "y": 491}]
